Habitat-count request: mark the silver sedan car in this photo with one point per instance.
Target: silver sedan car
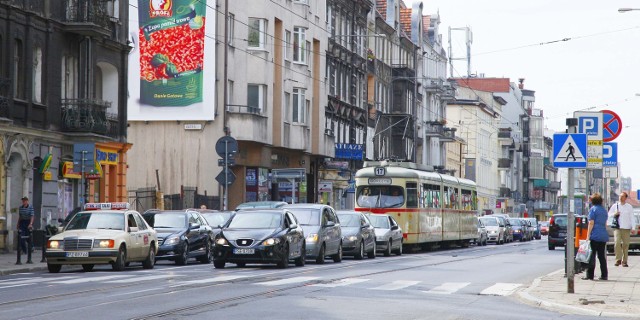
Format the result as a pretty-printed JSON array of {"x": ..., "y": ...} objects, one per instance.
[
  {"x": 388, "y": 234},
  {"x": 358, "y": 235}
]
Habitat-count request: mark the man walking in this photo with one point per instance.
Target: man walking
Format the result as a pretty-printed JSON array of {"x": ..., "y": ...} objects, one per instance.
[
  {"x": 624, "y": 213},
  {"x": 25, "y": 224},
  {"x": 571, "y": 150}
]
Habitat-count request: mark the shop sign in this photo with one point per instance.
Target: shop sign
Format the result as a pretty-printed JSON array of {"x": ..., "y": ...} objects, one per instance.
[
  {"x": 349, "y": 151},
  {"x": 106, "y": 156},
  {"x": 47, "y": 176},
  {"x": 67, "y": 171},
  {"x": 92, "y": 176},
  {"x": 325, "y": 186},
  {"x": 340, "y": 165}
]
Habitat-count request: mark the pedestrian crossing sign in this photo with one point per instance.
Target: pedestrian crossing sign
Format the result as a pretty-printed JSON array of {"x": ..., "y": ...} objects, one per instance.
[{"x": 570, "y": 150}]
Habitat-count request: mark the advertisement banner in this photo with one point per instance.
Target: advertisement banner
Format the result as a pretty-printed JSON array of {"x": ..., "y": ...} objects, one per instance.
[{"x": 173, "y": 58}]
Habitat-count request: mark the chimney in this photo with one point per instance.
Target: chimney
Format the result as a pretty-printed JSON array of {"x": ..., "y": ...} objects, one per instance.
[{"x": 521, "y": 81}]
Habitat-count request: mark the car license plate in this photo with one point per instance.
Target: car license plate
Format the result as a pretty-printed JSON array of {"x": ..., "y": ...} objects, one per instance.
[
  {"x": 81, "y": 254},
  {"x": 244, "y": 251}
]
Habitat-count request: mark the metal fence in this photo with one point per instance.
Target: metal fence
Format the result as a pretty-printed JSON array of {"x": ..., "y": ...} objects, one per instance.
[{"x": 145, "y": 198}]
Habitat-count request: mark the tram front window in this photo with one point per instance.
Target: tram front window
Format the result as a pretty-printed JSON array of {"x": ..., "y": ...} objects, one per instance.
[{"x": 380, "y": 197}]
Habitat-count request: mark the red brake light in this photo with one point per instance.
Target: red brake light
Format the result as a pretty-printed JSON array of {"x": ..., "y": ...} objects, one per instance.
[{"x": 551, "y": 221}]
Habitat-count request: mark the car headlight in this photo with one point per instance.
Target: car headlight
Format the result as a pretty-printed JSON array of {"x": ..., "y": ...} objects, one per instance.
[
  {"x": 222, "y": 242},
  {"x": 103, "y": 243},
  {"x": 172, "y": 240},
  {"x": 312, "y": 237},
  {"x": 516, "y": 231},
  {"x": 492, "y": 232},
  {"x": 55, "y": 244},
  {"x": 270, "y": 241},
  {"x": 352, "y": 238}
]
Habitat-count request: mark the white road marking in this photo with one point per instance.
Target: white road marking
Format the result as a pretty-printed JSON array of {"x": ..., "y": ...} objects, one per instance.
[
  {"x": 396, "y": 285},
  {"x": 136, "y": 279},
  {"x": 92, "y": 279},
  {"x": 211, "y": 280},
  {"x": 448, "y": 287},
  {"x": 286, "y": 281},
  {"x": 27, "y": 281},
  {"x": 341, "y": 282},
  {"x": 501, "y": 289},
  {"x": 17, "y": 285}
]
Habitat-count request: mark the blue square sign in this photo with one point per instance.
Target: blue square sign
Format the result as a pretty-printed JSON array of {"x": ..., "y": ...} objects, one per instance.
[{"x": 570, "y": 150}]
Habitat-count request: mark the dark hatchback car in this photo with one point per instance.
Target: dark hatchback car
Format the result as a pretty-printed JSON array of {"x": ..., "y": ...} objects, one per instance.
[
  {"x": 358, "y": 235},
  {"x": 182, "y": 234},
  {"x": 558, "y": 230},
  {"x": 260, "y": 236}
]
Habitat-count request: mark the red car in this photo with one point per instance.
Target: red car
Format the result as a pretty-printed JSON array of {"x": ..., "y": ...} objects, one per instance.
[{"x": 544, "y": 228}]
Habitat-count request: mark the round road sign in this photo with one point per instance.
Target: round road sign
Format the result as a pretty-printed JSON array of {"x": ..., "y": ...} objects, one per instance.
[
  {"x": 611, "y": 125},
  {"x": 228, "y": 144}
]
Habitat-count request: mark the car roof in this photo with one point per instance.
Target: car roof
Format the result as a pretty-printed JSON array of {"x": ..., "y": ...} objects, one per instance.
[
  {"x": 306, "y": 205},
  {"x": 261, "y": 204},
  {"x": 347, "y": 212}
]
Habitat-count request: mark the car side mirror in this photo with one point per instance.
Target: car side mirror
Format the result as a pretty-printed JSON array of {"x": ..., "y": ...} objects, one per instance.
[
  {"x": 330, "y": 224},
  {"x": 293, "y": 226},
  {"x": 194, "y": 226},
  {"x": 395, "y": 228},
  {"x": 365, "y": 226},
  {"x": 133, "y": 229}
]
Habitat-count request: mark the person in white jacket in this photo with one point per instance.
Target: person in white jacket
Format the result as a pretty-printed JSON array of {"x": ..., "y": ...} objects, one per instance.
[{"x": 624, "y": 213}]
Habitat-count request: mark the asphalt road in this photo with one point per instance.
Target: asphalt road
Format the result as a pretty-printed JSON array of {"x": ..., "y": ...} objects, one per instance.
[{"x": 469, "y": 283}]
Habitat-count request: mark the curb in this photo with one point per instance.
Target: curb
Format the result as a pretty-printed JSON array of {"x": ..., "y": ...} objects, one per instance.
[
  {"x": 554, "y": 306},
  {"x": 22, "y": 270}
]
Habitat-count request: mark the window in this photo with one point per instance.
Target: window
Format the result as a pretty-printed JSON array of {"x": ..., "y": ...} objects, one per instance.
[
  {"x": 140, "y": 222},
  {"x": 113, "y": 9},
  {"x": 257, "y": 33},
  {"x": 287, "y": 106},
  {"x": 69, "y": 77},
  {"x": 231, "y": 32},
  {"x": 37, "y": 75},
  {"x": 256, "y": 95},
  {"x": 287, "y": 45},
  {"x": 18, "y": 70},
  {"x": 299, "y": 44},
  {"x": 298, "y": 105}
]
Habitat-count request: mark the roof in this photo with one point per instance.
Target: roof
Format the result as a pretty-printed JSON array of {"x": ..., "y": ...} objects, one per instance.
[
  {"x": 485, "y": 84},
  {"x": 405, "y": 21},
  {"x": 381, "y": 6},
  {"x": 426, "y": 23}
]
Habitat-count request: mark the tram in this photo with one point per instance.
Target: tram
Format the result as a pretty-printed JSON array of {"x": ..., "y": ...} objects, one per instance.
[{"x": 432, "y": 209}]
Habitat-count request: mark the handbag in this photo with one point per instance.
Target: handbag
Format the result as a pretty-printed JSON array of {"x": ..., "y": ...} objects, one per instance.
[
  {"x": 584, "y": 251},
  {"x": 615, "y": 224}
]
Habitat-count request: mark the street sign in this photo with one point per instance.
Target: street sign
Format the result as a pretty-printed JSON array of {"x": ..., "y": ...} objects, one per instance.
[
  {"x": 569, "y": 150},
  {"x": 590, "y": 123},
  {"x": 611, "y": 125},
  {"x": 226, "y": 145},
  {"x": 230, "y": 177},
  {"x": 610, "y": 154},
  {"x": 230, "y": 162}
]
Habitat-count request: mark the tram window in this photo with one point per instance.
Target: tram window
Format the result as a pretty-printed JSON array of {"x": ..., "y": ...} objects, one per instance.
[
  {"x": 412, "y": 195},
  {"x": 380, "y": 196},
  {"x": 474, "y": 200},
  {"x": 431, "y": 195},
  {"x": 467, "y": 200}
]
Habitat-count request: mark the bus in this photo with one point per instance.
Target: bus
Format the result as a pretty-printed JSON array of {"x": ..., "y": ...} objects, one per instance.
[{"x": 431, "y": 208}]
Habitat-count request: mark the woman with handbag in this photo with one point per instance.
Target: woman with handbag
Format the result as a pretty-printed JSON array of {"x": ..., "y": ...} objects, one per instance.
[{"x": 598, "y": 237}]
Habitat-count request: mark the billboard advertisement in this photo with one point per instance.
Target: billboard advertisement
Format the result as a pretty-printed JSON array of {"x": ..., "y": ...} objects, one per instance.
[{"x": 172, "y": 62}]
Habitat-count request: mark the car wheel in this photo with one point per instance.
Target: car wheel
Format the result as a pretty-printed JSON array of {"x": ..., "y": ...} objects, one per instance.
[
  {"x": 399, "y": 251},
  {"x": 321, "y": 253},
  {"x": 552, "y": 247},
  {"x": 220, "y": 264},
  {"x": 150, "y": 261},
  {"x": 87, "y": 267},
  {"x": 284, "y": 261},
  {"x": 182, "y": 259},
  {"x": 338, "y": 256},
  {"x": 387, "y": 252},
  {"x": 360, "y": 254},
  {"x": 119, "y": 265},
  {"x": 208, "y": 255},
  {"x": 300, "y": 261},
  {"x": 54, "y": 268},
  {"x": 372, "y": 254}
]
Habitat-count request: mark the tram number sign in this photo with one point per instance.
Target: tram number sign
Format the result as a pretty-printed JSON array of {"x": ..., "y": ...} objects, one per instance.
[{"x": 380, "y": 171}]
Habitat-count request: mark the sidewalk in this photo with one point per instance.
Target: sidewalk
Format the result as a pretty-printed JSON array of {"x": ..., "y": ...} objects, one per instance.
[
  {"x": 617, "y": 297},
  {"x": 8, "y": 263}
]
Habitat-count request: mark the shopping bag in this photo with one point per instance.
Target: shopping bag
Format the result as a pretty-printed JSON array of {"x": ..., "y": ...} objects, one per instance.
[{"x": 584, "y": 251}]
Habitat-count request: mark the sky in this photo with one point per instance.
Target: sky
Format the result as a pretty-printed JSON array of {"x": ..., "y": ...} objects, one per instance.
[{"x": 596, "y": 69}]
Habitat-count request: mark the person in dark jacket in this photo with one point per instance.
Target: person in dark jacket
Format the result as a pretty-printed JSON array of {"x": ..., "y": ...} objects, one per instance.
[
  {"x": 598, "y": 237},
  {"x": 26, "y": 215}
]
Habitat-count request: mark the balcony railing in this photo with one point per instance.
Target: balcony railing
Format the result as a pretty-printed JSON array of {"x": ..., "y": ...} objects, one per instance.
[
  {"x": 504, "y": 134},
  {"x": 437, "y": 129},
  {"x": 87, "y": 17},
  {"x": 85, "y": 116},
  {"x": 504, "y": 163}
]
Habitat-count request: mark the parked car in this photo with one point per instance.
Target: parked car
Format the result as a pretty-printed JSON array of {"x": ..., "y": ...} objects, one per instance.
[
  {"x": 182, "y": 234},
  {"x": 388, "y": 234},
  {"x": 520, "y": 229},
  {"x": 260, "y": 236},
  {"x": 322, "y": 230},
  {"x": 544, "y": 228},
  {"x": 558, "y": 230},
  {"x": 482, "y": 238},
  {"x": 495, "y": 229},
  {"x": 634, "y": 239},
  {"x": 261, "y": 205},
  {"x": 508, "y": 229},
  {"x": 216, "y": 219},
  {"x": 103, "y": 233},
  {"x": 535, "y": 227},
  {"x": 358, "y": 235}
]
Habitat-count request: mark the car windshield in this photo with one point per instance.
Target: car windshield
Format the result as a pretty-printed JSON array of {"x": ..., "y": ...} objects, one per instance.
[
  {"x": 490, "y": 222},
  {"x": 97, "y": 220},
  {"x": 349, "y": 220},
  {"x": 381, "y": 222},
  {"x": 515, "y": 222},
  {"x": 380, "y": 197},
  {"x": 256, "y": 220},
  {"x": 307, "y": 217},
  {"x": 168, "y": 220},
  {"x": 215, "y": 219}
]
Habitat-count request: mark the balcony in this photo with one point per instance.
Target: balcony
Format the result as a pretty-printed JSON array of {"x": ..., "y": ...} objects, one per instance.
[
  {"x": 85, "y": 116},
  {"x": 403, "y": 72},
  {"x": 87, "y": 17},
  {"x": 540, "y": 183},
  {"x": 554, "y": 186},
  {"x": 504, "y": 134},
  {"x": 251, "y": 123},
  {"x": 505, "y": 192},
  {"x": 504, "y": 163},
  {"x": 434, "y": 85},
  {"x": 438, "y": 130}
]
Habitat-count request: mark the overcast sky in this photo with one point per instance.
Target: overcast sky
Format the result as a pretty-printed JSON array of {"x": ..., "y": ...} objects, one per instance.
[{"x": 598, "y": 68}]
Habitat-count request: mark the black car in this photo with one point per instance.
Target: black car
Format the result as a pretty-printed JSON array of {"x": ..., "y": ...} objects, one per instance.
[
  {"x": 558, "y": 230},
  {"x": 182, "y": 234},
  {"x": 260, "y": 236}
]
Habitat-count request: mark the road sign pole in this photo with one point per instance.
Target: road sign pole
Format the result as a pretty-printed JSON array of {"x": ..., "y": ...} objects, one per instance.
[
  {"x": 570, "y": 262},
  {"x": 226, "y": 175}
]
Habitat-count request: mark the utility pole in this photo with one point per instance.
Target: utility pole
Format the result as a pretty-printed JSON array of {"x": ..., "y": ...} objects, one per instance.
[{"x": 571, "y": 221}]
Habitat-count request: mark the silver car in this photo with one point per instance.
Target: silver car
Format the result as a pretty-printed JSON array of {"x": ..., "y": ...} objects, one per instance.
[
  {"x": 358, "y": 235},
  {"x": 482, "y": 234},
  {"x": 495, "y": 229},
  {"x": 388, "y": 234},
  {"x": 321, "y": 228}
]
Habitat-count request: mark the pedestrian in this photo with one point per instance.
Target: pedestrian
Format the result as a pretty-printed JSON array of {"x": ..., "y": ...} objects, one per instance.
[
  {"x": 570, "y": 150},
  {"x": 598, "y": 237},
  {"x": 203, "y": 207},
  {"x": 622, "y": 211},
  {"x": 26, "y": 215}
]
